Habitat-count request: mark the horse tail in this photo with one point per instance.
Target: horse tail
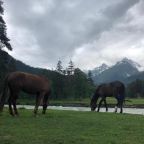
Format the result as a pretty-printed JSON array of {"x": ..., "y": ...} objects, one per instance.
[
  {"x": 124, "y": 94},
  {"x": 4, "y": 93},
  {"x": 127, "y": 100}
]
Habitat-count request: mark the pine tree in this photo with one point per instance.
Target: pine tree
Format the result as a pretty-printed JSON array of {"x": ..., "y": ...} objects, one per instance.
[
  {"x": 4, "y": 41},
  {"x": 59, "y": 67},
  {"x": 70, "y": 69},
  {"x": 90, "y": 80}
]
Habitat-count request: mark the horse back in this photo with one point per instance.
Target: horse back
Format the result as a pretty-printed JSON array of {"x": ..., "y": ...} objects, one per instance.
[
  {"x": 111, "y": 89},
  {"x": 105, "y": 90},
  {"x": 28, "y": 82}
]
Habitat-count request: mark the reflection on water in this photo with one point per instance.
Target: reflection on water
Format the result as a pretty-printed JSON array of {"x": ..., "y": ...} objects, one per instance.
[{"x": 125, "y": 110}]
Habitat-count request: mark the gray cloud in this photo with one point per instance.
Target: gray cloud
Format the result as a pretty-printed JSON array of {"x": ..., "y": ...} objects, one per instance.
[
  {"x": 41, "y": 32},
  {"x": 119, "y": 9}
]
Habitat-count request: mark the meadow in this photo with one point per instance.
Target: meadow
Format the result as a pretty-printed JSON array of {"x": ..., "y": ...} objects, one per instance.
[{"x": 70, "y": 127}]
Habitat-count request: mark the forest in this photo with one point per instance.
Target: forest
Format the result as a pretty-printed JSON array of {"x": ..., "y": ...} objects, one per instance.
[{"x": 73, "y": 84}]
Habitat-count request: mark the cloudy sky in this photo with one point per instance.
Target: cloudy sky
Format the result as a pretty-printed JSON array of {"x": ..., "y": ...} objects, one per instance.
[{"x": 90, "y": 32}]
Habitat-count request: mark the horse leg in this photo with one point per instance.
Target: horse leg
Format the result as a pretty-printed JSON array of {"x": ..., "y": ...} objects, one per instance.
[
  {"x": 99, "y": 105},
  {"x": 106, "y": 105},
  {"x": 14, "y": 105},
  {"x": 116, "y": 107},
  {"x": 38, "y": 101},
  {"x": 45, "y": 103},
  {"x": 10, "y": 106},
  {"x": 121, "y": 106}
]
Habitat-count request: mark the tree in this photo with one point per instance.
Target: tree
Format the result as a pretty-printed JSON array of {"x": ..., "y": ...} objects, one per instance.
[
  {"x": 7, "y": 64},
  {"x": 4, "y": 40},
  {"x": 59, "y": 67},
  {"x": 82, "y": 87},
  {"x": 90, "y": 80},
  {"x": 70, "y": 69},
  {"x": 135, "y": 88}
]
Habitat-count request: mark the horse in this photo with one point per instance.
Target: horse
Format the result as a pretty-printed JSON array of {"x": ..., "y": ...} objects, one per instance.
[
  {"x": 113, "y": 89},
  {"x": 28, "y": 83}
]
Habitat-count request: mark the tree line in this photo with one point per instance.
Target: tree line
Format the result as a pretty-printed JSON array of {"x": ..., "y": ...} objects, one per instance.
[
  {"x": 135, "y": 89},
  {"x": 72, "y": 84}
]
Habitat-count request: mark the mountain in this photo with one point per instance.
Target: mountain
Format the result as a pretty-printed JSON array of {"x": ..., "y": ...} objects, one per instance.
[
  {"x": 8, "y": 63},
  {"x": 132, "y": 63},
  {"x": 100, "y": 69},
  {"x": 137, "y": 76},
  {"x": 123, "y": 70},
  {"x": 20, "y": 66}
]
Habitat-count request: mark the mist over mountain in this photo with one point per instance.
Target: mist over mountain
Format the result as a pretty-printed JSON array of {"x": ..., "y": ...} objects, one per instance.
[
  {"x": 124, "y": 70},
  {"x": 100, "y": 69}
]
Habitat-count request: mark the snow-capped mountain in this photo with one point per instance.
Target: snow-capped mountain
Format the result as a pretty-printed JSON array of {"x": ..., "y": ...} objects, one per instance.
[
  {"x": 120, "y": 71},
  {"x": 100, "y": 69},
  {"x": 132, "y": 63}
]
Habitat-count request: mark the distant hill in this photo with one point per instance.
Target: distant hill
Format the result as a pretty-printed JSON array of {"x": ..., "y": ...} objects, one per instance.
[
  {"x": 125, "y": 70},
  {"x": 20, "y": 66},
  {"x": 7, "y": 64}
]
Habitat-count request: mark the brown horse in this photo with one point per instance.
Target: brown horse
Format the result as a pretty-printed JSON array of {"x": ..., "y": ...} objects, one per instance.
[
  {"x": 114, "y": 89},
  {"x": 29, "y": 83}
]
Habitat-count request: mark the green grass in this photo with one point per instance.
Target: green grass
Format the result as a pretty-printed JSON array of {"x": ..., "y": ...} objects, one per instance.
[{"x": 69, "y": 127}]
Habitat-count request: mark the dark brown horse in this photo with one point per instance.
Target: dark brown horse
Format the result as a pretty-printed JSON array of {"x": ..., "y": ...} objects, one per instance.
[
  {"x": 29, "y": 83},
  {"x": 114, "y": 89}
]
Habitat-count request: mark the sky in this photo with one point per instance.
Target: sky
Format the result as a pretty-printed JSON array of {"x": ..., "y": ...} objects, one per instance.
[{"x": 88, "y": 32}]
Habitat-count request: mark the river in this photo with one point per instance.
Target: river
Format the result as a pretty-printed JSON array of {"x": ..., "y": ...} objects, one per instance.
[{"x": 139, "y": 111}]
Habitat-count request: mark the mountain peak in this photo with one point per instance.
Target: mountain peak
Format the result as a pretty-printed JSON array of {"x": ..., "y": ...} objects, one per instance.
[
  {"x": 104, "y": 66},
  {"x": 131, "y": 62},
  {"x": 100, "y": 69},
  {"x": 122, "y": 70}
]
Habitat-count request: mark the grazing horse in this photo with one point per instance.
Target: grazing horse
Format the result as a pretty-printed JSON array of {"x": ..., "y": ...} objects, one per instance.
[
  {"x": 114, "y": 89},
  {"x": 29, "y": 83}
]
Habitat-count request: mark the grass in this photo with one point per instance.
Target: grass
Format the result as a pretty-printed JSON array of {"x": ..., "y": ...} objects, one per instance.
[{"x": 70, "y": 127}]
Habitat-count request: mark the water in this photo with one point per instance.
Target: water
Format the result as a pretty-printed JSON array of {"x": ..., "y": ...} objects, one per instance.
[{"x": 139, "y": 111}]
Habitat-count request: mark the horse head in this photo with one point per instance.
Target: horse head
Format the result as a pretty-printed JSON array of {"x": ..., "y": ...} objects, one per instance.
[{"x": 93, "y": 104}]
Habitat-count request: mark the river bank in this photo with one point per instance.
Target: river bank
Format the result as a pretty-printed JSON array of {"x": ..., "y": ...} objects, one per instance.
[
  {"x": 139, "y": 111},
  {"x": 129, "y": 102}
]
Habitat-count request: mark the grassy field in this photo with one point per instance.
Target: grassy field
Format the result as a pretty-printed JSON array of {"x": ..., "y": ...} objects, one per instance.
[{"x": 69, "y": 127}]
